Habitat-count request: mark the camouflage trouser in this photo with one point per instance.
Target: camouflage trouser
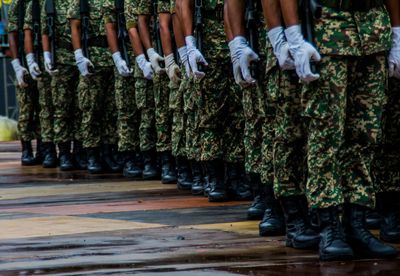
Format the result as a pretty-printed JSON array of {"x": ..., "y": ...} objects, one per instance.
[
  {"x": 145, "y": 103},
  {"x": 128, "y": 114},
  {"x": 387, "y": 163},
  {"x": 192, "y": 133},
  {"x": 290, "y": 156},
  {"x": 162, "y": 111},
  {"x": 64, "y": 96},
  {"x": 46, "y": 115},
  {"x": 97, "y": 103},
  {"x": 28, "y": 118},
  {"x": 344, "y": 110},
  {"x": 178, "y": 135}
]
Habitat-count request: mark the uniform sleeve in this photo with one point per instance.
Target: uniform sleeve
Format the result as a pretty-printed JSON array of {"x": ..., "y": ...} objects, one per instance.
[
  {"x": 43, "y": 21},
  {"x": 172, "y": 6},
  {"x": 74, "y": 11},
  {"x": 28, "y": 16},
  {"x": 109, "y": 11},
  {"x": 144, "y": 7},
  {"x": 131, "y": 13},
  {"x": 163, "y": 6},
  {"x": 12, "y": 25}
]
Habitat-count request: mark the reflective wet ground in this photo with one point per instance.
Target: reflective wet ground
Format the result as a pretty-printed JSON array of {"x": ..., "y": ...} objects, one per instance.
[{"x": 73, "y": 224}]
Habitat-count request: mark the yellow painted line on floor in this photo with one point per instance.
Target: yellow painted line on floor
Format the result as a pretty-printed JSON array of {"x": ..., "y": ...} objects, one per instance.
[
  {"x": 242, "y": 227},
  {"x": 64, "y": 225},
  {"x": 87, "y": 188}
]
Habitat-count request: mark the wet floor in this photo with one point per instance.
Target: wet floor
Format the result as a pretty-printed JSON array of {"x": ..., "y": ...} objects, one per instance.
[{"x": 75, "y": 224}]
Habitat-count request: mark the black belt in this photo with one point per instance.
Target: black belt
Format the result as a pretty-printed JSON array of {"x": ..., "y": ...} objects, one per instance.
[{"x": 352, "y": 5}]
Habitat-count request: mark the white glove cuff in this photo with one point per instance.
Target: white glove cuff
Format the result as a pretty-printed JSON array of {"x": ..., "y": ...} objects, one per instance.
[
  {"x": 78, "y": 54},
  {"x": 30, "y": 58},
  {"x": 182, "y": 51},
  {"x": 275, "y": 35},
  {"x": 190, "y": 41},
  {"x": 396, "y": 36},
  {"x": 141, "y": 60},
  {"x": 47, "y": 55},
  {"x": 293, "y": 35},
  {"x": 16, "y": 64},
  {"x": 150, "y": 52},
  {"x": 116, "y": 57},
  {"x": 169, "y": 60}
]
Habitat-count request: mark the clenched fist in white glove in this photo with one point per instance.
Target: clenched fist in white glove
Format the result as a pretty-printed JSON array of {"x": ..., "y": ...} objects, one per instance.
[
  {"x": 281, "y": 48},
  {"x": 145, "y": 66},
  {"x": 155, "y": 60},
  {"x": 120, "y": 64},
  {"x": 303, "y": 53},
  {"x": 82, "y": 62},
  {"x": 242, "y": 56},
  {"x": 182, "y": 51},
  {"x": 47, "y": 64},
  {"x": 20, "y": 72},
  {"x": 394, "y": 55},
  {"x": 172, "y": 68},
  {"x": 34, "y": 69},
  {"x": 194, "y": 57}
]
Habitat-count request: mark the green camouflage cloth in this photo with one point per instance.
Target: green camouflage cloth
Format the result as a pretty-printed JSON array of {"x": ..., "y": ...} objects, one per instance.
[
  {"x": 12, "y": 25},
  {"x": 131, "y": 13},
  {"x": 164, "y": 6}
]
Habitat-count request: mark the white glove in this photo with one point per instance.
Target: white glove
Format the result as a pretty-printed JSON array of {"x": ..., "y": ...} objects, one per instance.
[
  {"x": 182, "y": 51},
  {"x": 242, "y": 56},
  {"x": 394, "y": 55},
  {"x": 281, "y": 48},
  {"x": 194, "y": 57},
  {"x": 303, "y": 53},
  {"x": 47, "y": 63},
  {"x": 83, "y": 63},
  {"x": 172, "y": 68},
  {"x": 145, "y": 66},
  {"x": 34, "y": 69},
  {"x": 122, "y": 68},
  {"x": 20, "y": 72},
  {"x": 155, "y": 60}
]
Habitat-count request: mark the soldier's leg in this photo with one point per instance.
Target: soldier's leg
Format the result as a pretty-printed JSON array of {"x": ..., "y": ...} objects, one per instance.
[{"x": 79, "y": 152}]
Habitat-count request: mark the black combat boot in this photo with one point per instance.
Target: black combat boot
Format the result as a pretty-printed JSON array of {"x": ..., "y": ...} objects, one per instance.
[
  {"x": 206, "y": 179},
  {"x": 168, "y": 173},
  {"x": 333, "y": 245},
  {"x": 185, "y": 180},
  {"x": 257, "y": 208},
  {"x": 197, "y": 175},
  {"x": 363, "y": 243},
  {"x": 389, "y": 210},
  {"x": 150, "y": 171},
  {"x": 237, "y": 182},
  {"x": 372, "y": 219},
  {"x": 50, "y": 155},
  {"x": 65, "y": 156},
  {"x": 215, "y": 171},
  {"x": 94, "y": 165},
  {"x": 27, "y": 158},
  {"x": 109, "y": 163},
  {"x": 299, "y": 234},
  {"x": 39, "y": 156},
  {"x": 272, "y": 223},
  {"x": 79, "y": 156},
  {"x": 132, "y": 167}
]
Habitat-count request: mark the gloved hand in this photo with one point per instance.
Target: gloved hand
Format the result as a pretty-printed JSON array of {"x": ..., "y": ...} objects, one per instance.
[
  {"x": 47, "y": 63},
  {"x": 145, "y": 66},
  {"x": 242, "y": 56},
  {"x": 394, "y": 55},
  {"x": 172, "y": 68},
  {"x": 281, "y": 48},
  {"x": 122, "y": 68},
  {"x": 34, "y": 69},
  {"x": 20, "y": 72},
  {"x": 194, "y": 57},
  {"x": 83, "y": 63},
  {"x": 303, "y": 53},
  {"x": 155, "y": 60},
  {"x": 182, "y": 51}
]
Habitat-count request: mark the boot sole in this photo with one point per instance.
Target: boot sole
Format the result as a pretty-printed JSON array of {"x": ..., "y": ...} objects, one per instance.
[
  {"x": 389, "y": 240},
  {"x": 343, "y": 257},
  {"x": 200, "y": 192},
  {"x": 272, "y": 233},
  {"x": 49, "y": 166},
  {"x": 295, "y": 245}
]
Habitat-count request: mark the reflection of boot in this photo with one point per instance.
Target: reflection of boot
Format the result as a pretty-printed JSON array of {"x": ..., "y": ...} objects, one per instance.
[
  {"x": 168, "y": 174},
  {"x": 50, "y": 155},
  {"x": 27, "y": 158},
  {"x": 93, "y": 160},
  {"x": 79, "y": 156},
  {"x": 299, "y": 235},
  {"x": 150, "y": 171},
  {"x": 108, "y": 159},
  {"x": 257, "y": 208},
  {"x": 272, "y": 223},
  {"x": 389, "y": 209},
  {"x": 333, "y": 245},
  {"x": 237, "y": 183},
  {"x": 65, "y": 156},
  {"x": 198, "y": 181},
  {"x": 185, "y": 180},
  {"x": 361, "y": 240},
  {"x": 215, "y": 171},
  {"x": 132, "y": 168}
]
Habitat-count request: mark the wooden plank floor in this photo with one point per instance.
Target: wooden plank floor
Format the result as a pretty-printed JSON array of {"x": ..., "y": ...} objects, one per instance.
[{"x": 75, "y": 224}]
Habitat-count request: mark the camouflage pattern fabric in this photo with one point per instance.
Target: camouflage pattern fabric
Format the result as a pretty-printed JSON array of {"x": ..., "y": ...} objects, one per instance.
[
  {"x": 12, "y": 25},
  {"x": 46, "y": 115}
]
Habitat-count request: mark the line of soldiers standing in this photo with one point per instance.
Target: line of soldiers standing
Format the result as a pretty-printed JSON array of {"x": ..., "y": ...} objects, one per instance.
[{"x": 312, "y": 125}]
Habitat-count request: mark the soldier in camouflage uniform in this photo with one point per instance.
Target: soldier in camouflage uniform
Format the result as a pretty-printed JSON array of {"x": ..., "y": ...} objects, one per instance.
[
  {"x": 343, "y": 107},
  {"x": 64, "y": 95},
  {"x": 27, "y": 94},
  {"x": 95, "y": 89}
]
